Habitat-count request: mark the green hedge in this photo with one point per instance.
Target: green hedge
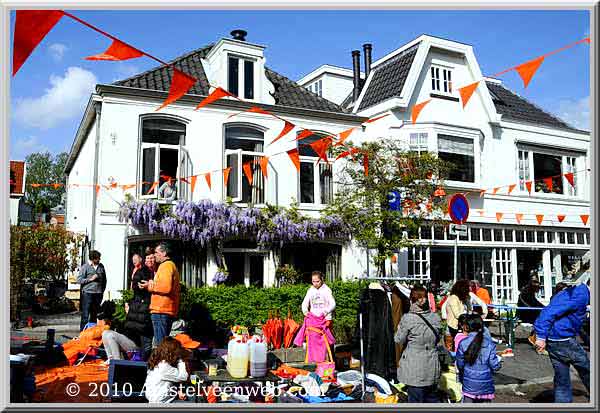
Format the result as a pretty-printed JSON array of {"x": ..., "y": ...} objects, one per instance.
[{"x": 230, "y": 305}]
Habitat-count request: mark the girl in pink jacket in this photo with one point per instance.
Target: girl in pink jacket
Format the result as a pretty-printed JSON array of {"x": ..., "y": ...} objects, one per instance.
[{"x": 319, "y": 299}]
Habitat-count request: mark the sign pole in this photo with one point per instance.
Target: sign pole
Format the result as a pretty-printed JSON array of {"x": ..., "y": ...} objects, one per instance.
[
  {"x": 458, "y": 209},
  {"x": 455, "y": 257}
]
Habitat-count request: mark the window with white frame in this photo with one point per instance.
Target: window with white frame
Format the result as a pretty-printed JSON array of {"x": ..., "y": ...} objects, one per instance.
[
  {"x": 460, "y": 153},
  {"x": 441, "y": 79},
  {"x": 315, "y": 183},
  {"x": 244, "y": 145},
  {"x": 418, "y": 142},
  {"x": 319, "y": 87},
  {"x": 163, "y": 157},
  {"x": 502, "y": 275},
  {"x": 240, "y": 77},
  {"x": 546, "y": 169},
  {"x": 417, "y": 263}
]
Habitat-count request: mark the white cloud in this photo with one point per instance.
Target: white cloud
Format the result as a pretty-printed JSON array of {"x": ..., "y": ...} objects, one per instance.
[
  {"x": 23, "y": 147},
  {"x": 57, "y": 51},
  {"x": 65, "y": 99},
  {"x": 575, "y": 112}
]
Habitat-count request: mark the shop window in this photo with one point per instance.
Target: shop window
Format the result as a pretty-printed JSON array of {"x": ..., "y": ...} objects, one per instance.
[
  {"x": 570, "y": 237},
  {"x": 519, "y": 235},
  {"x": 475, "y": 234},
  {"x": 438, "y": 232},
  {"x": 530, "y": 236},
  {"x": 163, "y": 157},
  {"x": 561, "y": 237},
  {"x": 540, "y": 237},
  {"x": 580, "y": 238},
  {"x": 508, "y": 235},
  {"x": 550, "y": 237},
  {"x": 240, "y": 77},
  {"x": 498, "y": 235},
  {"x": 487, "y": 234},
  {"x": 316, "y": 176},
  {"x": 459, "y": 152},
  {"x": 502, "y": 275},
  {"x": 244, "y": 145},
  {"x": 426, "y": 232}
]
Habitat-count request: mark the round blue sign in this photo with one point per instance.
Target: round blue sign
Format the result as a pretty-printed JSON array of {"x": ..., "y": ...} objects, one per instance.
[{"x": 458, "y": 208}]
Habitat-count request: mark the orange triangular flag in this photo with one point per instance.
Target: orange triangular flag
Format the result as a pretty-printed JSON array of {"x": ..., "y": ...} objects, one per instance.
[
  {"x": 548, "y": 182},
  {"x": 352, "y": 151},
  {"x": 511, "y": 188},
  {"x": 495, "y": 190},
  {"x": 499, "y": 216},
  {"x": 481, "y": 193},
  {"x": 528, "y": 186},
  {"x": 467, "y": 91},
  {"x": 344, "y": 135},
  {"x": 304, "y": 134},
  {"x": 117, "y": 51},
  {"x": 366, "y": 164},
  {"x": 253, "y": 109},
  {"x": 376, "y": 119},
  {"x": 127, "y": 186},
  {"x": 264, "y": 164},
  {"x": 216, "y": 94},
  {"x": 286, "y": 129},
  {"x": 570, "y": 178},
  {"x": 584, "y": 219},
  {"x": 248, "y": 172},
  {"x": 226, "y": 175},
  {"x": 56, "y": 186},
  {"x": 320, "y": 147},
  {"x": 207, "y": 178},
  {"x": 193, "y": 183},
  {"x": 154, "y": 185},
  {"x": 587, "y": 40},
  {"x": 528, "y": 69},
  {"x": 561, "y": 218},
  {"x": 540, "y": 218},
  {"x": 295, "y": 157},
  {"x": 417, "y": 109},
  {"x": 31, "y": 26},
  {"x": 180, "y": 84},
  {"x": 519, "y": 217},
  {"x": 97, "y": 189}
]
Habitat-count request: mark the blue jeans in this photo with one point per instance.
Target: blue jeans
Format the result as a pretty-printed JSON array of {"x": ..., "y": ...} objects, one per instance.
[
  {"x": 161, "y": 323},
  {"x": 146, "y": 343},
  {"x": 564, "y": 354},
  {"x": 90, "y": 304},
  {"x": 426, "y": 394}
]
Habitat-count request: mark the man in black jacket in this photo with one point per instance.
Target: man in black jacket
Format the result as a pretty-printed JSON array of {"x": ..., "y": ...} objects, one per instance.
[{"x": 92, "y": 278}]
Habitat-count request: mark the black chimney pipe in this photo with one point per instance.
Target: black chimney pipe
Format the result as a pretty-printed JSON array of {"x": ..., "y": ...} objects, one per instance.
[
  {"x": 367, "y": 47},
  {"x": 239, "y": 34},
  {"x": 356, "y": 73}
]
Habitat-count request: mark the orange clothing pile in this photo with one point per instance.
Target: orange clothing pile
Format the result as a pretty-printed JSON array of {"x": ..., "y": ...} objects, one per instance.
[
  {"x": 165, "y": 290},
  {"x": 90, "y": 337},
  {"x": 51, "y": 383},
  {"x": 287, "y": 372}
]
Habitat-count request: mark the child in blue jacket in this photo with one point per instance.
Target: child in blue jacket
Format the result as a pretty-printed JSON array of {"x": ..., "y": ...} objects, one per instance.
[{"x": 476, "y": 361}]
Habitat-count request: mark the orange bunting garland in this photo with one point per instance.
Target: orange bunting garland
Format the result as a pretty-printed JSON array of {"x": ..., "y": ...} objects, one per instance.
[
  {"x": 495, "y": 190},
  {"x": 352, "y": 151},
  {"x": 226, "y": 175},
  {"x": 539, "y": 218},
  {"x": 264, "y": 163},
  {"x": 466, "y": 92},
  {"x": 570, "y": 178},
  {"x": 528, "y": 69},
  {"x": 207, "y": 179},
  {"x": 180, "y": 84},
  {"x": 518, "y": 217},
  {"x": 193, "y": 183},
  {"x": 376, "y": 119},
  {"x": 561, "y": 218},
  {"x": 499, "y": 216},
  {"x": 481, "y": 193},
  {"x": 216, "y": 94},
  {"x": 117, "y": 51},
  {"x": 584, "y": 219},
  {"x": 152, "y": 188},
  {"x": 511, "y": 188},
  {"x": 417, "y": 109},
  {"x": 304, "y": 134},
  {"x": 320, "y": 147},
  {"x": 528, "y": 186},
  {"x": 295, "y": 157},
  {"x": 286, "y": 129},
  {"x": 248, "y": 172},
  {"x": 344, "y": 135}
]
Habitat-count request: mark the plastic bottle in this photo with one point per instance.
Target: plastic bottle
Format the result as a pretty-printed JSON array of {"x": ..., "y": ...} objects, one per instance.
[
  {"x": 258, "y": 357},
  {"x": 237, "y": 358}
]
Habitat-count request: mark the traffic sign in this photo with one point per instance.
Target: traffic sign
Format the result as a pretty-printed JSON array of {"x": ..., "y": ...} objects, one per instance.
[
  {"x": 458, "y": 208},
  {"x": 460, "y": 230},
  {"x": 394, "y": 200}
]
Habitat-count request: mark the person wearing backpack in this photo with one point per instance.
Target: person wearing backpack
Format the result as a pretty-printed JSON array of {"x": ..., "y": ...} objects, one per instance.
[
  {"x": 557, "y": 328},
  {"x": 477, "y": 361},
  {"x": 419, "y": 331}
]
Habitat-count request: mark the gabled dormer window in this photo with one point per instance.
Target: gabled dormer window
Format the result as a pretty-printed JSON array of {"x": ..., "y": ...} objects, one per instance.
[
  {"x": 441, "y": 80},
  {"x": 240, "y": 77}
]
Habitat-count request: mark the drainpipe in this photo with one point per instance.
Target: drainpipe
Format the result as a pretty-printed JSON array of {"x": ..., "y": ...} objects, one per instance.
[{"x": 98, "y": 108}]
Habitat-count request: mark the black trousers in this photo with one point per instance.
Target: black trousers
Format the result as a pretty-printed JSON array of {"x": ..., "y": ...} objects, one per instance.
[
  {"x": 426, "y": 394},
  {"x": 90, "y": 305}
]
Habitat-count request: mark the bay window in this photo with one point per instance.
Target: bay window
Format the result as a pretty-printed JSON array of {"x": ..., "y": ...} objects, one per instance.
[
  {"x": 244, "y": 144},
  {"x": 545, "y": 170},
  {"x": 163, "y": 156},
  {"x": 316, "y": 176},
  {"x": 460, "y": 153}
]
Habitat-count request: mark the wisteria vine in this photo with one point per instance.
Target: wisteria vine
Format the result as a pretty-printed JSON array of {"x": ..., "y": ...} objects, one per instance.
[{"x": 205, "y": 222}]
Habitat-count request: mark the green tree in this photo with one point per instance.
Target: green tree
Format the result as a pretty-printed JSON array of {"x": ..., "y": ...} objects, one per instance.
[
  {"x": 43, "y": 168},
  {"x": 362, "y": 199}
]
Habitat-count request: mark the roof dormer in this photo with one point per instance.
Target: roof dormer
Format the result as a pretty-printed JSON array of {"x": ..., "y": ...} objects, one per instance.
[{"x": 239, "y": 67}]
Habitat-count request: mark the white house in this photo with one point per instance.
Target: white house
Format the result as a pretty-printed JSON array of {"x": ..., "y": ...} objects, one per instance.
[
  {"x": 122, "y": 139},
  {"x": 497, "y": 140}
]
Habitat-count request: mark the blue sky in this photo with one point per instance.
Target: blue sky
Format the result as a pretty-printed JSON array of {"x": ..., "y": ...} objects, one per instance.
[{"x": 51, "y": 89}]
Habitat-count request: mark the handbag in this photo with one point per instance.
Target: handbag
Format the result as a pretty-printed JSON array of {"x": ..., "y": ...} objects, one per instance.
[
  {"x": 444, "y": 356},
  {"x": 325, "y": 369}
]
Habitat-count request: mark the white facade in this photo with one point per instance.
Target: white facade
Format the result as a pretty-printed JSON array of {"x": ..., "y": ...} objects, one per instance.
[{"x": 503, "y": 152}]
